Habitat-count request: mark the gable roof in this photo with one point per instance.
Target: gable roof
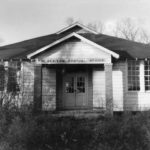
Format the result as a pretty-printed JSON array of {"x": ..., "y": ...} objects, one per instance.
[
  {"x": 76, "y": 25},
  {"x": 77, "y": 36},
  {"x": 125, "y": 48}
]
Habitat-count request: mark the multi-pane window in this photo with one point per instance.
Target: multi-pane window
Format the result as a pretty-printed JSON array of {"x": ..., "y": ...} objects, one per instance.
[
  {"x": 147, "y": 74},
  {"x": 133, "y": 76}
]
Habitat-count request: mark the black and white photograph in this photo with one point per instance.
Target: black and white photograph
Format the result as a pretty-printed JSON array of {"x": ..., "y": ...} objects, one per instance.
[{"x": 74, "y": 75}]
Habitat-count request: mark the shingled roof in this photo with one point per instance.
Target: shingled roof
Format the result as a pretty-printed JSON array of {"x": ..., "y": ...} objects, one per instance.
[{"x": 125, "y": 48}]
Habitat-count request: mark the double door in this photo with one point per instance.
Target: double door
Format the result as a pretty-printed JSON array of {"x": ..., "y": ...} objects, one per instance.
[{"x": 75, "y": 90}]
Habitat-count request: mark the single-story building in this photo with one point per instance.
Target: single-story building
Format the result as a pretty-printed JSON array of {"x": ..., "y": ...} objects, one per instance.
[{"x": 77, "y": 68}]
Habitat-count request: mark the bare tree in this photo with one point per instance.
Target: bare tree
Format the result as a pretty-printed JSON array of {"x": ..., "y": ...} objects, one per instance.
[
  {"x": 127, "y": 29},
  {"x": 144, "y": 37},
  {"x": 97, "y": 26}
]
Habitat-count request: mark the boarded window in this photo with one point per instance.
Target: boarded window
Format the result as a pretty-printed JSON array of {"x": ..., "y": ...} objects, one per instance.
[
  {"x": 13, "y": 84},
  {"x": 133, "y": 76},
  {"x": 2, "y": 77}
]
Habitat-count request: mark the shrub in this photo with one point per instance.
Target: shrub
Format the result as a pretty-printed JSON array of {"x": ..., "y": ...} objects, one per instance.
[
  {"x": 20, "y": 130},
  {"x": 60, "y": 133},
  {"x": 127, "y": 132}
]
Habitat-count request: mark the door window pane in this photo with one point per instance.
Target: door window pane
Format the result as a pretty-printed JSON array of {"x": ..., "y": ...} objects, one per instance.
[
  {"x": 69, "y": 86},
  {"x": 80, "y": 85}
]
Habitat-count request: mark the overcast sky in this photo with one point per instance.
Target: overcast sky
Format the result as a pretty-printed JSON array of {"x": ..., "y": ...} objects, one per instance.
[{"x": 25, "y": 19}]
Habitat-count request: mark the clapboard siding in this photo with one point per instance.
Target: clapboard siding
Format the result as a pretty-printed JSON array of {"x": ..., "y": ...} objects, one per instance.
[
  {"x": 117, "y": 90},
  {"x": 99, "y": 89},
  {"x": 27, "y": 82},
  {"x": 120, "y": 84},
  {"x": 59, "y": 82},
  {"x": 137, "y": 101},
  {"x": 90, "y": 88},
  {"x": 48, "y": 88},
  {"x": 37, "y": 88},
  {"x": 75, "y": 49},
  {"x": 133, "y": 100},
  {"x": 122, "y": 98},
  {"x": 144, "y": 101}
]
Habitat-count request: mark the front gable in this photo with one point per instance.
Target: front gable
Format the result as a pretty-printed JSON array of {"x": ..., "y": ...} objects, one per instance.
[{"x": 74, "y": 49}]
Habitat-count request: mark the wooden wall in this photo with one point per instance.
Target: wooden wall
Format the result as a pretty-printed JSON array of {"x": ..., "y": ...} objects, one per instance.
[
  {"x": 132, "y": 100},
  {"x": 90, "y": 87},
  {"x": 123, "y": 99},
  {"x": 99, "y": 88},
  {"x": 27, "y": 81},
  {"x": 118, "y": 92},
  {"x": 75, "y": 49},
  {"x": 99, "y": 93},
  {"x": 137, "y": 100},
  {"x": 48, "y": 88},
  {"x": 59, "y": 85}
]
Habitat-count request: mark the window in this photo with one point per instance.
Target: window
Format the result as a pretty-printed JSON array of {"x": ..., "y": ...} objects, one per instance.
[
  {"x": 13, "y": 78},
  {"x": 147, "y": 74},
  {"x": 133, "y": 76}
]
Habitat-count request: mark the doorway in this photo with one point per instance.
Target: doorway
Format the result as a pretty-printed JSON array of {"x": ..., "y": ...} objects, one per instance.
[{"x": 75, "y": 89}]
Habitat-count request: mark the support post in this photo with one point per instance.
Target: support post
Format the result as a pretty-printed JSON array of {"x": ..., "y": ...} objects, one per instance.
[
  {"x": 108, "y": 89},
  {"x": 37, "y": 88}
]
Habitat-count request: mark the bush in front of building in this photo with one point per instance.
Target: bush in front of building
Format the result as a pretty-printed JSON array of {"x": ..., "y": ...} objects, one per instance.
[
  {"x": 21, "y": 130},
  {"x": 126, "y": 132}
]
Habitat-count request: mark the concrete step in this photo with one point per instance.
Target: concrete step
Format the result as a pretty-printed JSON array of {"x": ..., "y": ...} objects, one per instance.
[{"x": 79, "y": 113}]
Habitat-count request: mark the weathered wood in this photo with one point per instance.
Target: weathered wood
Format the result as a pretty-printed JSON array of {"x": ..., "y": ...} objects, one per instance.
[
  {"x": 12, "y": 77},
  {"x": 117, "y": 76},
  {"x": 48, "y": 89},
  {"x": 2, "y": 77},
  {"x": 109, "y": 89},
  {"x": 99, "y": 98},
  {"x": 59, "y": 86},
  {"x": 37, "y": 88},
  {"x": 27, "y": 82},
  {"x": 76, "y": 52},
  {"x": 90, "y": 87}
]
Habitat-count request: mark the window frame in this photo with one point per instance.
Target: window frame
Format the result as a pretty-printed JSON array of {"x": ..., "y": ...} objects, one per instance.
[
  {"x": 135, "y": 75},
  {"x": 148, "y": 75}
]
